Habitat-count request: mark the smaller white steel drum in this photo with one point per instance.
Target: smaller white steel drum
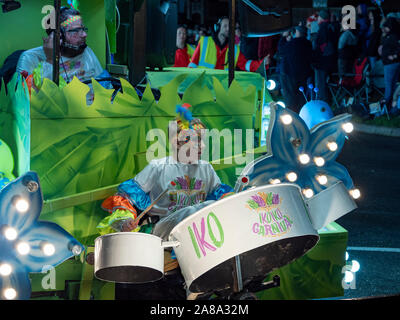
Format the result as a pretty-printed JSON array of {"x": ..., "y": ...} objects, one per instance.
[
  {"x": 129, "y": 257},
  {"x": 266, "y": 227}
]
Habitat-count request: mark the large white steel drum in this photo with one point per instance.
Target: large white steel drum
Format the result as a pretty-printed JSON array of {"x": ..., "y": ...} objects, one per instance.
[{"x": 267, "y": 227}]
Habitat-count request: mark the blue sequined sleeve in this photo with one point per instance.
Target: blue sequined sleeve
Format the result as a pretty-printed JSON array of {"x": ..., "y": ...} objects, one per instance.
[
  {"x": 219, "y": 192},
  {"x": 134, "y": 193}
]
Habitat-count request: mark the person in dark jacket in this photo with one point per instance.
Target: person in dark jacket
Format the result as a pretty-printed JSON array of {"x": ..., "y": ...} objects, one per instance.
[
  {"x": 296, "y": 71},
  {"x": 325, "y": 53},
  {"x": 391, "y": 60},
  {"x": 373, "y": 37},
  {"x": 347, "y": 51}
]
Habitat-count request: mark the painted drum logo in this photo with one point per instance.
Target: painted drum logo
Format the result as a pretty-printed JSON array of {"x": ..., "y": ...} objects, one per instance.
[
  {"x": 271, "y": 221},
  {"x": 207, "y": 238}
]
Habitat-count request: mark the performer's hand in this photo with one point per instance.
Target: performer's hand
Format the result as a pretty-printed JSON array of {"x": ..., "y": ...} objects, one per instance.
[
  {"x": 48, "y": 47},
  {"x": 267, "y": 60},
  {"x": 129, "y": 225}
]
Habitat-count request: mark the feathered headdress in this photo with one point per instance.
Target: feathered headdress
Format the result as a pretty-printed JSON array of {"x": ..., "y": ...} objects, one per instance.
[
  {"x": 74, "y": 4},
  {"x": 184, "y": 116}
]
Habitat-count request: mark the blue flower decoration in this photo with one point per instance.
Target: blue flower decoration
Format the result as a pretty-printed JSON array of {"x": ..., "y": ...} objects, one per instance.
[
  {"x": 26, "y": 244},
  {"x": 289, "y": 142}
]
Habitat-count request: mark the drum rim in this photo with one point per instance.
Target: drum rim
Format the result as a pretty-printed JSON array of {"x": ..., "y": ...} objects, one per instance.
[{"x": 129, "y": 234}]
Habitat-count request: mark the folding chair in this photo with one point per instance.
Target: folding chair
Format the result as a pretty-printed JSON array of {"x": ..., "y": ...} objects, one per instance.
[{"x": 351, "y": 88}]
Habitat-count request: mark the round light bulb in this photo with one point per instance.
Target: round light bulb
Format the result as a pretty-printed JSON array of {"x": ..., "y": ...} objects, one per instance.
[
  {"x": 355, "y": 193},
  {"x": 76, "y": 250},
  {"x": 291, "y": 176},
  {"x": 322, "y": 179},
  {"x": 308, "y": 193},
  {"x": 275, "y": 181},
  {"x": 319, "y": 161},
  {"x": 271, "y": 85},
  {"x": 9, "y": 293},
  {"x": 22, "y": 205},
  {"x": 348, "y": 127},
  {"x": 5, "y": 269},
  {"x": 48, "y": 249},
  {"x": 23, "y": 248},
  {"x": 286, "y": 119},
  {"x": 304, "y": 158},
  {"x": 348, "y": 276},
  {"x": 282, "y": 104},
  {"x": 355, "y": 266},
  {"x": 332, "y": 146},
  {"x": 10, "y": 233},
  {"x": 346, "y": 256}
]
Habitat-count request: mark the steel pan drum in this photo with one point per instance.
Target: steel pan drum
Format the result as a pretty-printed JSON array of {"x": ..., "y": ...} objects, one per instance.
[
  {"x": 129, "y": 257},
  {"x": 266, "y": 227}
]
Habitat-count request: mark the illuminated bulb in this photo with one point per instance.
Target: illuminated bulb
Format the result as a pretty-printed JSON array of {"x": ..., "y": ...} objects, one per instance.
[
  {"x": 304, "y": 158},
  {"x": 291, "y": 176},
  {"x": 348, "y": 276},
  {"x": 48, "y": 249},
  {"x": 76, "y": 250},
  {"x": 347, "y": 256},
  {"x": 9, "y": 293},
  {"x": 348, "y": 127},
  {"x": 10, "y": 233},
  {"x": 22, "y": 205},
  {"x": 308, "y": 193},
  {"x": 319, "y": 161},
  {"x": 355, "y": 266},
  {"x": 271, "y": 85},
  {"x": 5, "y": 269},
  {"x": 322, "y": 179},
  {"x": 23, "y": 248},
  {"x": 355, "y": 193},
  {"x": 282, "y": 104},
  {"x": 286, "y": 119},
  {"x": 275, "y": 181},
  {"x": 332, "y": 146}
]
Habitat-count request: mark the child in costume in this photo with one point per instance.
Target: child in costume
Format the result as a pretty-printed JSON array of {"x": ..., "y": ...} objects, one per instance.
[{"x": 191, "y": 183}]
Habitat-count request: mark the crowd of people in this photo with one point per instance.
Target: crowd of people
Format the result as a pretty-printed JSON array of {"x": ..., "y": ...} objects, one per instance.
[{"x": 311, "y": 52}]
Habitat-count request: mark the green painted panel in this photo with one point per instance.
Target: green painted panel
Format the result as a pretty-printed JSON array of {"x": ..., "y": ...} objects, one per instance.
[{"x": 27, "y": 31}]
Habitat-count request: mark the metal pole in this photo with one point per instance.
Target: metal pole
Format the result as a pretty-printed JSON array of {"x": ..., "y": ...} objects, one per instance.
[
  {"x": 137, "y": 43},
  {"x": 231, "y": 53},
  {"x": 56, "y": 44}
]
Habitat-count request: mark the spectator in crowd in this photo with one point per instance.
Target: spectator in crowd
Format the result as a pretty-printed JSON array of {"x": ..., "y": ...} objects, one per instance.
[
  {"x": 281, "y": 57},
  {"x": 373, "y": 37},
  {"x": 391, "y": 60},
  {"x": 347, "y": 51},
  {"x": 203, "y": 32},
  {"x": 296, "y": 71},
  {"x": 363, "y": 22},
  {"x": 324, "y": 53},
  {"x": 213, "y": 52},
  {"x": 312, "y": 27},
  {"x": 184, "y": 50},
  {"x": 336, "y": 27},
  {"x": 238, "y": 34}
]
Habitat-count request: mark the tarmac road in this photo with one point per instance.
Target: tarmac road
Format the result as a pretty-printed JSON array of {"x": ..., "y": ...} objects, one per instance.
[{"x": 374, "y": 227}]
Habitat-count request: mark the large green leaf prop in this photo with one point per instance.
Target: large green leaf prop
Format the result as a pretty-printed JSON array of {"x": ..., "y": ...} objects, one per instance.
[
  {"x": 15, "y": 123},
  {"x": 77, "y": 148}
]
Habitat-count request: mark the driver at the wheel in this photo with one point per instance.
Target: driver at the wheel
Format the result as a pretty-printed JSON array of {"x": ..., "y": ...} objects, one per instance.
[{"x": 77, "y": 59}]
